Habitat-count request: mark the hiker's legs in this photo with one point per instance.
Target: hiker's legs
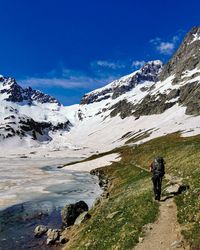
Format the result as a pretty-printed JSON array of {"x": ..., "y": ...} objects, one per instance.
[
  {"x": 157, "y": 182},
  {"x": 155, "y": 186}
]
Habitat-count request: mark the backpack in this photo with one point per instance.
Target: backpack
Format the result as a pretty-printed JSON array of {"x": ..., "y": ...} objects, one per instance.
[{"x": 158, "y": 166}]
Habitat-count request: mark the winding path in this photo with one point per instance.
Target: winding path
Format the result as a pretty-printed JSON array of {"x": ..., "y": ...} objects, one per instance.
[{"x": 165, "y": 232}]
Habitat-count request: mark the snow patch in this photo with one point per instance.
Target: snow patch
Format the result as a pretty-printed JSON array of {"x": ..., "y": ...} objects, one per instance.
[{"x": 96, "y": 163}]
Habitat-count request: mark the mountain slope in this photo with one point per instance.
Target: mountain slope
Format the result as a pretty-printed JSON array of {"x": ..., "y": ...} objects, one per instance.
[
  {"x": 150, "y": 102},
  {"x": 119, "y": 221},
  {"x": 148, "y": 73},
  {"x": 164, "y": 102},
  {"x": 28, "y": 113}
]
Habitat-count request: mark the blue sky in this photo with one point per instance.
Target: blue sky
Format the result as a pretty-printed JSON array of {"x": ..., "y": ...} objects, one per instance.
[{"x": 69, "y": 47}]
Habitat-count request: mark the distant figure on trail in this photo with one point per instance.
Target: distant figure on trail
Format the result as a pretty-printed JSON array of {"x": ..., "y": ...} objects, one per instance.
[{"x": 157, "y": 167}]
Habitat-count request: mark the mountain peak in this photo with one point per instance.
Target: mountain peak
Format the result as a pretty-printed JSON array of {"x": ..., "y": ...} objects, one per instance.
[
  {"x": 149, "y": 72},
  {"x": 11, "y": 91}
]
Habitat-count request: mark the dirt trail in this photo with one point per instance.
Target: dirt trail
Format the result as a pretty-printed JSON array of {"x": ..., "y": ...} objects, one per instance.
[{"x": 164, "y": 234}]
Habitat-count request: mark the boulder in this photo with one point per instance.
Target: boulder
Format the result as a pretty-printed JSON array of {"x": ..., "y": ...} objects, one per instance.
[
  {"x": 40, "y": 230},
  {"x": 172, "y": 189},
  {"x": 70, "y": 212},
  {"x": 82, "y": 218},
  {"x": 52, "y": 236},
  {"x": 63, "y": 240}
]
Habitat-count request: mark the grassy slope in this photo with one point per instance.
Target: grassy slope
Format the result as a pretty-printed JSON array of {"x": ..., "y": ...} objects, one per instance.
[{"x": 131, "y": 195}]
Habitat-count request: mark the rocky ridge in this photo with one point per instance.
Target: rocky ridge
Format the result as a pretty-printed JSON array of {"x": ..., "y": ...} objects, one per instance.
[
  {"x": 15, "y": 93},
  {"x": 149, "y": 72},
  {"x": 177, "y": 83}
]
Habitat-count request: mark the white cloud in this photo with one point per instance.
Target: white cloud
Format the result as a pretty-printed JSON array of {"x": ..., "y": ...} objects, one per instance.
[
  {"x": 108, "y": 64},
  {"x": 137, "y": 64},
  {"x": 73, "y": 82},
  {"x": 62, "y": 77},
  {"x": 69, "y": 79},
  {"x": 165, "y": 47}
]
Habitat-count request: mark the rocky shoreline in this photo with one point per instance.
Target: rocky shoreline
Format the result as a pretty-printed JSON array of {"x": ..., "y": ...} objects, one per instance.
[
  {"x": 72, "y": 216},
  {"x": 18, "y": 222}
]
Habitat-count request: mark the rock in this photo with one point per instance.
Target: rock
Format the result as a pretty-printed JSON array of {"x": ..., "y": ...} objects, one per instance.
[
  {"x": 40, "y": 230},
  {"x": 172, "y": 189},
  {"x": 110, "y": 216},
  {"x": 123, "y": 108},
  {"x": 53, "y": 235},
  {"x": 177, "y": 244},
  {"x": 63, "y": 240},
  {"x": 175, "y": 180},
  {"x": 70, "y": 212},
  {"x": 141, "y": 239},
  {"x": 82, "y": 218}
]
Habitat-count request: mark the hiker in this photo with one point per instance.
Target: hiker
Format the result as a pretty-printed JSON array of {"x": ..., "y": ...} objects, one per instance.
[{"x": 157, "y": 167}]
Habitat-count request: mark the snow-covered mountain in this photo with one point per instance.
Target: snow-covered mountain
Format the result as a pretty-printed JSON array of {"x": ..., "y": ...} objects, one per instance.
[
  {"x": 11, "y": 91},
  {"x": 152, "y": 101},
  {"x": 28, "y": 113},
  {"x": 148, "y": 73}
]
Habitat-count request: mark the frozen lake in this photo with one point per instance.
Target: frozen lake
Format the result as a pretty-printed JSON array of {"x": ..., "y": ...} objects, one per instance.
[
  {"x": 33, "y": 191},
  {"x": 25, "y": 179}
]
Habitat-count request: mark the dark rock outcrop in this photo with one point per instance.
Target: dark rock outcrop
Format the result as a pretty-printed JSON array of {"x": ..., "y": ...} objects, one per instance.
[
  {"x": 70, "y": 212},
  {"x": 152, "y": 104},
  {"x": 36, "y": 95},
  {"x": 15, "y": 93},
  {"x": 28, "y": 126},
  {"x": 190, "y": 97},
  {"x": 123, "y": 108}
]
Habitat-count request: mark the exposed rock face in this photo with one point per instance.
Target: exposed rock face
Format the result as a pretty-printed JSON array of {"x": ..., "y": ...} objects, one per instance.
[
  {"x": 15, "y": 93},
  {"x": 123, "y": 108},
  {"x": 149, "y": 72},
  {"x": 23, "y": 126},
  {"x": 190, "y": 97},
  {"x": 153, "y": 105},
  {"x": 187, "y": 57},
  {"x": 70, "y": 212},
  {"x": 36, "y": 95}
]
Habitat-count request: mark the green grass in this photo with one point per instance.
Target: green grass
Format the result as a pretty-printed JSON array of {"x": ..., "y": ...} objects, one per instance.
[
  {"x": 131, "y": 195},
  {"x": 131, "y": 198}
]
